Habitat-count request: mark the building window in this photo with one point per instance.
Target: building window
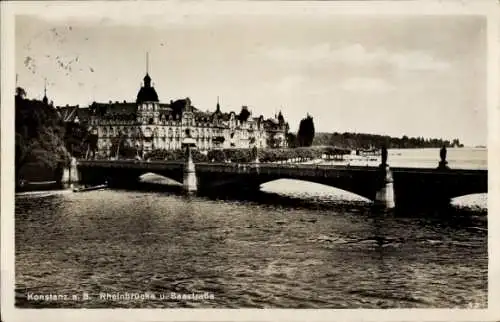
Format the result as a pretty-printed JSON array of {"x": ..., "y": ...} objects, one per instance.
[{"x": 151, "y": 120}]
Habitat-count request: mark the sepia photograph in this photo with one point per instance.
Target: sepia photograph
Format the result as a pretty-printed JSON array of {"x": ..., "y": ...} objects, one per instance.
[{"x": 270, "y": 155}]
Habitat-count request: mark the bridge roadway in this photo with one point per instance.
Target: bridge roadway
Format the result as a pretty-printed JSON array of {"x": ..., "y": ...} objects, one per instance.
[{"x": 411, "y": 185}]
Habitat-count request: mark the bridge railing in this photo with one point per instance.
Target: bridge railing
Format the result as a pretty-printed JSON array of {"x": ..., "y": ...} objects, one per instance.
[
  {"x": 216, "y": 166},
  {"x": 263, "y": 167},
  {"x": 278, "y": 169}
]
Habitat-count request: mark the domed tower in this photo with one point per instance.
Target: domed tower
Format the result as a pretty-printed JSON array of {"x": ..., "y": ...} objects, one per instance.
[
  {"x": 147, "y": 93},
  {"x": 147, "y": 100}
]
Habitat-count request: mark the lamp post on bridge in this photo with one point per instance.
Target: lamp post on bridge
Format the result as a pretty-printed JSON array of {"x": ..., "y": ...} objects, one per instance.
[
  {"x": 190, "y": 183},
  {"x": 443, "y": 164},
  {"x": 385, "y": 195},
  {"x": 383, "y": 154}
]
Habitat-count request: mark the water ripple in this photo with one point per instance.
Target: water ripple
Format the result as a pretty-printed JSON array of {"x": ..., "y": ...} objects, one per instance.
[{"x": 246, "y": 253}]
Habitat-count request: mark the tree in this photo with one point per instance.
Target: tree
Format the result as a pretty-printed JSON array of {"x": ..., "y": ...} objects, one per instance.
[
  {"x": 120, "y": 147},
  {"x": 281, "y": 119},
  {"x": 77, "y": 139},
  {"x": 291, "y": 140},
  {"x": 90, "y": 144},
  {"x": 254, "y": 154},
  {"x": 39, "y": 137},
  {"x": 20, "y": 93},
  {"x": 271, "y": 141},
  {"x": 244, "y": 114},
  {"x": 305, "y": 135}
]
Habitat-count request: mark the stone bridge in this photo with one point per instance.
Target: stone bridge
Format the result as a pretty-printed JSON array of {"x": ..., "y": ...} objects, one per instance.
[{"x": 382, "y": 184}]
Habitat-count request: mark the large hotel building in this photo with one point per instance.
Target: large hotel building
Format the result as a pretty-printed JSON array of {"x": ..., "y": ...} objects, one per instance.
[{"x": 147, "y": 124}]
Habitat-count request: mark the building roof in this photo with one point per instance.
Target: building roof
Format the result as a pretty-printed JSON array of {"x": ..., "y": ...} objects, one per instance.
[
  {"x": 67, "y": 113},
  {"x": 83, "y": 114},
  {"x": 226, "y": 116},
  {"x": 271, "y": 124},
  {"x": 115, "y": 109},
  {"x": 200, "y": 116},
  {"x": 71, "y": 113},
  {"x": 147, "y": 94}
]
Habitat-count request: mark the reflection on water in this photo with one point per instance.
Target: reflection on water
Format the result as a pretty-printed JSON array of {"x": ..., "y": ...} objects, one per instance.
[
  {"x": 264, "y": 250},
  {"x": 311, "y": 191}
]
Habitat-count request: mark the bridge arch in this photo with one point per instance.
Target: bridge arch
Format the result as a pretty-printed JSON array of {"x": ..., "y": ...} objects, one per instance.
[
  {"x": 362, "y": 183},
  {"x": 434, "y": 186},
  {"x": 295, "y": 187},
  {"x": 155, "y": 178},
  {"x": 476, "y": 201},
  {"x": 126, "y": 175}
]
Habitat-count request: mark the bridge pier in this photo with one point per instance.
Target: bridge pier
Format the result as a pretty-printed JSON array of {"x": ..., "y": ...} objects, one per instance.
[
  {"x": 384, "y": 197},
  {"x": 256, "y": 159},
  {"x": 70, "y": 174},
  {"x": 190, "y": 182}
]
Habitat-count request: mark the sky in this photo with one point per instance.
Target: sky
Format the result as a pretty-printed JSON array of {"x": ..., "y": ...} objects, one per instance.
[{"x": 395, "y": 75}]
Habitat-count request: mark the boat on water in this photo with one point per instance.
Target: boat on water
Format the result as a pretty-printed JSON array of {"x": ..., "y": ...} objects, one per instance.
[
  {"x": 83, "y": 189},
  {"x": 24, "y": 185}
]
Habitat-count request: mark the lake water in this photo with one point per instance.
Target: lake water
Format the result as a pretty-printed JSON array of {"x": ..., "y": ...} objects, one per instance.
[
  {"x": 293, "y": 245},
  {"x": 458, "y": 158}
]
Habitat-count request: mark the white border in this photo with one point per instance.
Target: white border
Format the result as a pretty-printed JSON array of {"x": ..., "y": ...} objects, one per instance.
[{"x": 135, "y": 9}]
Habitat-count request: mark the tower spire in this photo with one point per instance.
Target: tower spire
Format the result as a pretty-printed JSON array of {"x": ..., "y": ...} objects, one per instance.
[
  {"x": 45, "y": 100},
  {"x": 147, "y": 78}
]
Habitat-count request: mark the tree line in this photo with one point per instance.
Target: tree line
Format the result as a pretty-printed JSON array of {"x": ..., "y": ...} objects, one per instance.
[
  {"x": 245, "y": 155},
  {"x": 373, "y": 141},
  {"x": 43, "y": 142},
  {"x": 306, "y": 136}
]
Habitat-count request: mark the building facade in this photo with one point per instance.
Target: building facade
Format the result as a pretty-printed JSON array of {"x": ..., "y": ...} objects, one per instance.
[{"x": 147, "y": 124}]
